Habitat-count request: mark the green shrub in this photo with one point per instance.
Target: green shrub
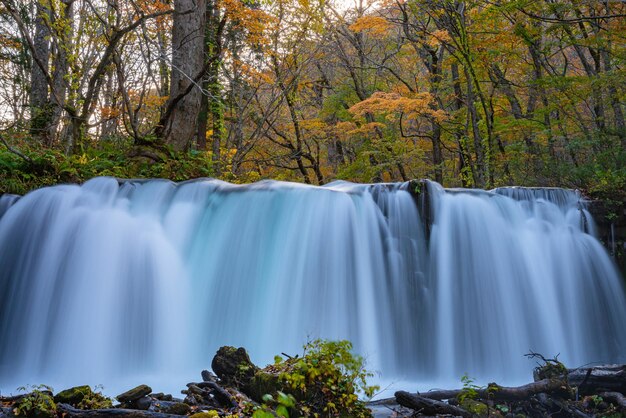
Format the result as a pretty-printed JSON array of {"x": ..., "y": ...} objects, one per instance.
[
  {"x": 38, "y": 403},
  {"x": 326, "y": 380}
]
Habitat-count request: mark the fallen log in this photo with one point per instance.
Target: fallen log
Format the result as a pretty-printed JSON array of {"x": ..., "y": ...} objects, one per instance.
[
  {"x": 428, "y": 406},
  {"x": 497, "y": 392},
  {"x": 605, "y": 378},
  {"x": 71, "y": 412}
]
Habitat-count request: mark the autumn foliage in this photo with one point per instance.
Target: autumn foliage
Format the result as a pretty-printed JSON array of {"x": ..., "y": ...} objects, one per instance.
[{"x": 470, "y": 93}]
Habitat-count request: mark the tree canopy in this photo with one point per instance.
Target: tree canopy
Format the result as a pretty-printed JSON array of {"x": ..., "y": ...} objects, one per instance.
[{"x": 474, "y": 93}]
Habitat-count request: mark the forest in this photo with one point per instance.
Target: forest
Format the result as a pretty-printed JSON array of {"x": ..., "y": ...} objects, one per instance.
[
  {"x": 125, "y": 280},
  {"x": 477, "y": 93}
]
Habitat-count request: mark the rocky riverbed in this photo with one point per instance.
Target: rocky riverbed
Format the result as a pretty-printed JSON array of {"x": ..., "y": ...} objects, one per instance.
[{"x": 238, "y": 388}]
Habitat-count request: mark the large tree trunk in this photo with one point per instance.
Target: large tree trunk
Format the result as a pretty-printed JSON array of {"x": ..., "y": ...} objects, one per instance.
[{"x": 180, "y": 128}]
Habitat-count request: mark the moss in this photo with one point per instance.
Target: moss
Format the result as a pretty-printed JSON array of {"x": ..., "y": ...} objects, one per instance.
[
  {"x": 263, "y": 383},
  {"x": 205, "y": 414},
  {"x": 95, "y": 400},
  {"x": 475, "y": 407},
  {"x": 73, "y": 395},
  {"x": 178, "y": 408}
]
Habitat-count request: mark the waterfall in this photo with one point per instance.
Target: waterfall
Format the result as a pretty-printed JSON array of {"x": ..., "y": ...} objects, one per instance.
[
  {"x": 6, "y": 201},
  {"x": 141, "y": 281}
]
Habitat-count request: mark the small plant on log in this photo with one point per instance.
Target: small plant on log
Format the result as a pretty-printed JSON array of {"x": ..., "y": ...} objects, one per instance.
[
  {"x": 470, "y": 390},
  {"x": 38, "y": 403},
  {"x": 468, "y": 397}
]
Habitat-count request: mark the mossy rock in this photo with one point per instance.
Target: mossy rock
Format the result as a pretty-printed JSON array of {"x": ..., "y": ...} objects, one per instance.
[
  {"x": 177, "y": 408},
  {"x": 73, "y": 396},
  {"x": 234, "y": 367},
  {"x": 134, "y": 394}
]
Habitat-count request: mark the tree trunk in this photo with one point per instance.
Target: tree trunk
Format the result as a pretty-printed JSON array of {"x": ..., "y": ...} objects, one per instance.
[
  {"x": 59, "y": 76},
  {"x": 465, "y": 157},
  {"x": 203, "y": 118},
  {"x": 164, "y": 70},
  {"x": 180, "y": 128},
  {"x": 482, "y": 161},
  {"x": 437, "y": 155},
  {"x": 216, "y": 109},
  {"x": 39, "y": 105},
  {"x": 211, "y": 110}
]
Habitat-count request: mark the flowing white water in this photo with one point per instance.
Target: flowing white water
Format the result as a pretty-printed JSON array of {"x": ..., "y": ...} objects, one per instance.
[
  {"x": 142, "y": 282},
  {"x": 6, "y": 201}
]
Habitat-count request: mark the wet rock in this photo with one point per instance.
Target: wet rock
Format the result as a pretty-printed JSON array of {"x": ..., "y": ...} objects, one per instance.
[
  {"x": 207, "y": 376},
  {"x": 163, "y": 397},
  {"x": 191, "y": 400},
  {"x": 134, "y": 394},
  {"x": 144, "y": 403}
]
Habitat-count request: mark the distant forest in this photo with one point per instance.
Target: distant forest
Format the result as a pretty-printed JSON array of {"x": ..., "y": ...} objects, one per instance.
[{"x": 473, "y": 93}]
